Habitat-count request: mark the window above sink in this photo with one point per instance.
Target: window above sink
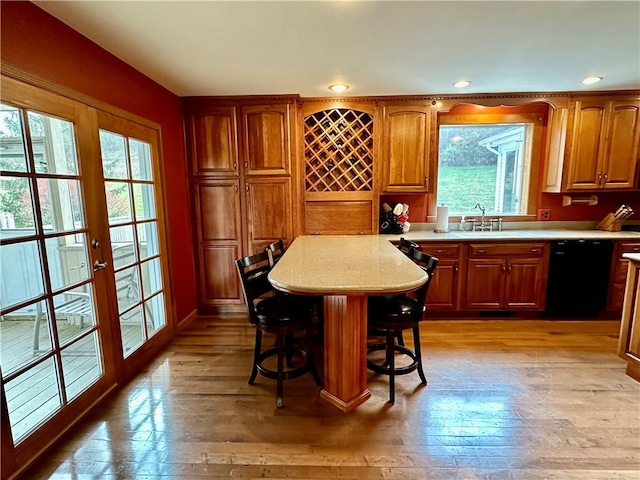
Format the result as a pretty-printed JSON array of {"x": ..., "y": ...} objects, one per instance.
[{"x": 491, "y": 156}]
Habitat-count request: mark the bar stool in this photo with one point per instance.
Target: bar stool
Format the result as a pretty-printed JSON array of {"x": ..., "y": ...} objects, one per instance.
[
  {"x": 405, "y": 246},
  {"x": 275, "y": 251},
  {"x": 282, "y": 315},
  {"x": 391, "y": 315}
]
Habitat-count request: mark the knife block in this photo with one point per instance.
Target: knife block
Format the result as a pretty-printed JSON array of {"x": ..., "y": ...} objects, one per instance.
[{"x": 609, "y": 223}]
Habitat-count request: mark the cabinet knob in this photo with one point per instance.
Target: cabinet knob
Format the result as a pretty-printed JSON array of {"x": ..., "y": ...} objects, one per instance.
[
  {"x": 605, "y": 178},
  {"x": 481, "y": 250},
  {"x": 439, "y": 251},
  {"x": 534, "y": 250}
]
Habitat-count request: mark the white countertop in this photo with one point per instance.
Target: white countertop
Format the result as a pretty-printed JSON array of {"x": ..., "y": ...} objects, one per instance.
[
  {"x": 634, "y": 257},
  {"x": 345, "y": 265},
  {"x": 510, "y": 235}
]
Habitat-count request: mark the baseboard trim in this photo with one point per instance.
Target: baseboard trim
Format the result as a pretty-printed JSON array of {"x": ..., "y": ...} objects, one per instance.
[{"x": 182, "y": 324}]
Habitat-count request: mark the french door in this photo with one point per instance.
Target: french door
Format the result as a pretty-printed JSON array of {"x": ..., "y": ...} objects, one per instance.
[{"x": 83, "y": 280}]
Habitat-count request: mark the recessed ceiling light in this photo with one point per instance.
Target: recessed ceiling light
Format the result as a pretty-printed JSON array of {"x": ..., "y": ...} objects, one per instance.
[
  {"x": 462, "y": 84},
  {"x": 338, "y": 87},
  {"x": 591, "y": 80}
]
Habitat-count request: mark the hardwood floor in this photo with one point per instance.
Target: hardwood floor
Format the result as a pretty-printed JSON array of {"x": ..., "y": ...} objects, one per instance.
[{"x": 506, "y": 399}]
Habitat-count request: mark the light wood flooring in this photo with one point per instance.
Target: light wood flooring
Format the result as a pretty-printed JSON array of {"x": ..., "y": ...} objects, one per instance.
[{"x": 506, "y": 399}]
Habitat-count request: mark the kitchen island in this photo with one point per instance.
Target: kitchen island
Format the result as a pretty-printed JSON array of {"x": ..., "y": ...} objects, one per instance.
[{"x": 345, "y": 269}]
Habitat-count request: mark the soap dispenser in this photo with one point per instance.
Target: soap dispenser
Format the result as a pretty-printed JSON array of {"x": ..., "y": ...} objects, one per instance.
[{"x": 462, "y": 223}]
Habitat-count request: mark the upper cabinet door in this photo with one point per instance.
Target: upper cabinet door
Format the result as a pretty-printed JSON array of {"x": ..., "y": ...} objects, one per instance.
[
  {"x": 266, "y": 139},
  {"x": 621, "y": 146},
  {"x": 604, "y": 145},
  {"x": 585, "y": 170},
  {"x": 406, "y": 148},
  {"x": 214, "y": 141}
]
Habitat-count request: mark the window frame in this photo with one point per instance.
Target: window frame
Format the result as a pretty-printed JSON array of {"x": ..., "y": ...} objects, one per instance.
[{"x": 479, "y": 115}]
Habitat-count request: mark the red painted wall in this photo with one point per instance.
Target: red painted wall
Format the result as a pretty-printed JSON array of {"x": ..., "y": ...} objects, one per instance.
[{"x": 36, "y": 42}]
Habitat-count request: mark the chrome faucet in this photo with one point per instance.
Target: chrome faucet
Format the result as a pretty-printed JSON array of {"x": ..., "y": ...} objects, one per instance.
[{"x": 482, "y": 209}]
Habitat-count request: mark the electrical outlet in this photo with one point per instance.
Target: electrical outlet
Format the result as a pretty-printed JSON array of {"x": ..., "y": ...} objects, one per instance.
[{"x": 544, "y": 214}]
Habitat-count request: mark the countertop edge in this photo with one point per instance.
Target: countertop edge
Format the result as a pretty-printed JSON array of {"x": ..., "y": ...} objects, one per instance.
[
  {"x": 514, "y": 235},
  {"x": 634, "y": 257}
]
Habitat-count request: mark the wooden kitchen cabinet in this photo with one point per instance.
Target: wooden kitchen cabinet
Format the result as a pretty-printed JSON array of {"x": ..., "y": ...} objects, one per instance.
[
  {"x": 445, "y": 286},
  {"x": 406, "y": 147},
  {"x": 213, "y": 140},
  {"x": 219, "y": 240},
  {"x": 339, "y": 217},
  {"x": 339, "y": 174},
  {"x": 268, "y": 216},
  {"x": 266, "y": 138},
  {"x": 618, "y": 276},
  {"x": 602, "y": 144},
  {"x": 240, "y": 150},
  {"x": 507, "y": 276}
]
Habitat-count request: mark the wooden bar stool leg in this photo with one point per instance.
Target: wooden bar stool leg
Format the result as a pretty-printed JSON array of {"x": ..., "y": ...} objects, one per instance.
[
  {"x": 279, "y": 381},
  {"x": 256, "y": 356},
  {"x": 288, "y": 345},
  {"x": 418, "y": 351},
  {"x": 391, "y": 362}
]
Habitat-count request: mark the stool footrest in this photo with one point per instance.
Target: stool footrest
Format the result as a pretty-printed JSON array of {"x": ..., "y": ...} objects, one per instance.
[
  {"x": 287, "y": 374},
  {"x": 384, "y": 369}
]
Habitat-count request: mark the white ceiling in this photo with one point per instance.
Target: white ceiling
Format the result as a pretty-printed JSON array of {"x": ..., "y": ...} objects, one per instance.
[{"x": 377, "y": 47}]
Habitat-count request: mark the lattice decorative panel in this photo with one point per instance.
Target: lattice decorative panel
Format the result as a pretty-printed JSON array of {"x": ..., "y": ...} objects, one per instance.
[{"x": 338, "y": 151}]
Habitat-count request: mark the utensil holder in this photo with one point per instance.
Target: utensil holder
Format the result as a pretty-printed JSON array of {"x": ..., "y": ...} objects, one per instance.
[{"x": 609, "y": 223}]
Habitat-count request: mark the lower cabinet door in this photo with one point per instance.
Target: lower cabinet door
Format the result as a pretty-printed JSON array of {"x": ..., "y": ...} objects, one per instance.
[
  {"x": 524, "y": 286},
  {"x": 443, "y": 290},
  {"x": 219, "y": 283},
  {"x": 485, "y": 284}
]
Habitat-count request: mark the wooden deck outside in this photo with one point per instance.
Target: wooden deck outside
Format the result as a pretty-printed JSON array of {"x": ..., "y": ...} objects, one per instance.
[
  {"x": 506, "y": 399},
  {"x": 34, "y": 395}
]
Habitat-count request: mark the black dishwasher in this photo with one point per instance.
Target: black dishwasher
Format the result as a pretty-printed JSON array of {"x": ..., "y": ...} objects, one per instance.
[{"x": 578, "y": 278}]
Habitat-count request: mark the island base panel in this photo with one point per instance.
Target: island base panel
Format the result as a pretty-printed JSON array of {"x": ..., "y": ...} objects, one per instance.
[
  {"x": 345, "y": 350},
  {"x": 342, "y": 405}
]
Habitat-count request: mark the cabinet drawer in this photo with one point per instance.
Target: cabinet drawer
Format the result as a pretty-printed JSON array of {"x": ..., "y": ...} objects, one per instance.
[
  {"x": 629, "y": 247},
  {"x": 498, "y": 249},
  {"x": 442, "y": 250}
]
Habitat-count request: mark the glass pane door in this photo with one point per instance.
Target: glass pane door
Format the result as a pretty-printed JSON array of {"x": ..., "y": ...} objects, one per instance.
[
  {"x": 50, "y": 334},
  {"x": 134, "y": 230}
]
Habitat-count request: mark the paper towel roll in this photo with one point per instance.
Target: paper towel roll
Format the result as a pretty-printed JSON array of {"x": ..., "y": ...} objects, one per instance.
[{"x": 442, "y": 219}]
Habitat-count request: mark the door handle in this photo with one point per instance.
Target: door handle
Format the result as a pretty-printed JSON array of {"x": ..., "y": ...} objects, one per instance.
[{"x": 98, "y": 265}]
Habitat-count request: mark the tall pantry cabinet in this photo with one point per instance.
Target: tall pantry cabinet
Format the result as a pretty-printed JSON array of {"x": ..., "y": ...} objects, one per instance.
[{"x": 240, "y": 151}]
